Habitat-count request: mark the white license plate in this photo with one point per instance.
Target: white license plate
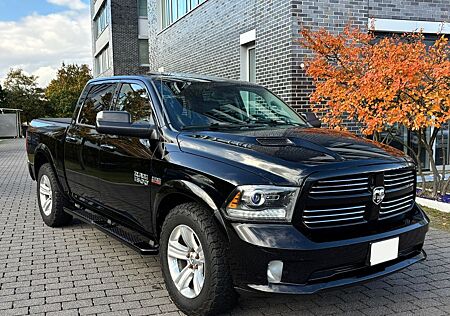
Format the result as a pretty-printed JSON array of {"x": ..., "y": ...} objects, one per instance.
[{"x": 383, "y": 251}]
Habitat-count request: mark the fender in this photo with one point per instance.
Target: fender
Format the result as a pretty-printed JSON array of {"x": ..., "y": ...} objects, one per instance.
[
  {"x": 191, "y": 190},
  {"x": 42, "y": 149}
]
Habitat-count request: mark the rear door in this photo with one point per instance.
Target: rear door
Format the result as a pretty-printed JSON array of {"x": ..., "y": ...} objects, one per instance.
[
  {"x": 82, "y": 145},
  {"x": 125, "y": 162}
]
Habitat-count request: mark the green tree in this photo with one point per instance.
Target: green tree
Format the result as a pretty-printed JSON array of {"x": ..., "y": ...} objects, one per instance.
[
  {"x": 64, "y": 91},
  {"x": 22, "y": 92},
  {"x": 2, "y": 97}
]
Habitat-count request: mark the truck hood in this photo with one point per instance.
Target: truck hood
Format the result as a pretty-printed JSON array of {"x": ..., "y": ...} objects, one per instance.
[{"x": 286, "y": 155}]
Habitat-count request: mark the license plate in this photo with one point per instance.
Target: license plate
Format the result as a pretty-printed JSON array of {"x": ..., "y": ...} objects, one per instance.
[{"x": 383, "y": 251}]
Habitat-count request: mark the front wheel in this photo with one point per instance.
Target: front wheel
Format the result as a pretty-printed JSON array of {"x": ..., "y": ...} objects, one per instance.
[{"x": 193, "y": 256}]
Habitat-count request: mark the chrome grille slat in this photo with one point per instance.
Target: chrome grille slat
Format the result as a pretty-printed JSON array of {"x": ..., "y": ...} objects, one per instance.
[
  {"x": 397, "y": 200},
  {"x": 394, "y": 205},
  {"x": 341, "y": 180},
  {"x": 408, "y": 177},
  {"x": 332, "y": 215},
  {"x": 339, "y": 191},
  {"x": 393, "y": 174},
  {"x": 397, "y": 183},
  {"x": 344, "y": 185},
  {"x": 336, "y": 209},
  {"x": 335, "y": 220},
  {"x": 398, "y": 210},
  {"x": 399, "y": 188}
]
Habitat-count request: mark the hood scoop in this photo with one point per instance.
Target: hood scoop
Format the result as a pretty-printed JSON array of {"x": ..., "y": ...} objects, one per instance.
[{"x": 274, "y": 141}]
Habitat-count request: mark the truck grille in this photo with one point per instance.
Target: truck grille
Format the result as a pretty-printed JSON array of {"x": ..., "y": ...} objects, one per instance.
[
  {"x": 393, "y": 207},
  {"x": 340, "y": 186},
  {"x": 347, "y": 200},
  {"x": 334, "y": 216},
  {"x": 398, "y": 180}
]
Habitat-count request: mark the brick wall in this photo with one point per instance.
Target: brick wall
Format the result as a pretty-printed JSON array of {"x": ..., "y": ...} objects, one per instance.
[
  {"x": 206, "y": 41},
  {"x": 124, "y": 41}
]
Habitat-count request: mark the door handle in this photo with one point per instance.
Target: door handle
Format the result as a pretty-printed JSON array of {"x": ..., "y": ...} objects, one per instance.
[
  {"x": 71, "y": 139},
  {"x": 108, "y": 147}
]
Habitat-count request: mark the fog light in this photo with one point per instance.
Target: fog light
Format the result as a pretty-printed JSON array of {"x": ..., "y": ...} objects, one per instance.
[{"x": 274, "y": 271}]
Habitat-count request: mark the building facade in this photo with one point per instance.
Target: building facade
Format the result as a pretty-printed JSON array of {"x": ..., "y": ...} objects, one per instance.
[
  {"x": 253, "y": 40},
  {"x": 119, "y": 37}
]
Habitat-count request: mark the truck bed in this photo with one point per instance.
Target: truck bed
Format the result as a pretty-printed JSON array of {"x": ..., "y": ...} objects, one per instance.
[{"x": 43, "y": 122}]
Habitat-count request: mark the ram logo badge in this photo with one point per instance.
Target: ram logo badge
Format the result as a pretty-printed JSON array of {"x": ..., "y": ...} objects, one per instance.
[{"x": 378, "y": 195}]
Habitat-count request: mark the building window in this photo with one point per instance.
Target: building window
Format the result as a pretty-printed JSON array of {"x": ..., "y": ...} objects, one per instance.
[
  {"x": 101, "y": 21},
  {"x": 142, "y": 8},
  {"x": 172, "y": 10},
  {"x": 143, "y": 52},
  {"x": 102, "y": 61},
  {"x": 248, "y": 62}
]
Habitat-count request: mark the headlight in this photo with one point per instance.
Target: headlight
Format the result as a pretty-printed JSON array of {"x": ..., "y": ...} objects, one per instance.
[{"x": 254, "y": 202}]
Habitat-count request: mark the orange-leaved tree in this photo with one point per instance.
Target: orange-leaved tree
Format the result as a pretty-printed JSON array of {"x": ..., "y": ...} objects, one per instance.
[{"x": 383, "y": 83}]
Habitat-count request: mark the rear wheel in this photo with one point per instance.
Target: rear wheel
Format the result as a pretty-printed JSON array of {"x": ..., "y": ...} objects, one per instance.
[
  {"x": 193, "y": 256},
  {"x": 50, "y": 199}
]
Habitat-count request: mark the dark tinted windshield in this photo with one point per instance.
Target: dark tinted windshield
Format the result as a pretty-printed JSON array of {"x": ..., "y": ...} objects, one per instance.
[{"x": 197, "y": 105}]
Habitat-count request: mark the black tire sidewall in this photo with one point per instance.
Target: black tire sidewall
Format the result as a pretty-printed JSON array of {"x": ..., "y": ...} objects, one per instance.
[{"x": 57, "y": 217}]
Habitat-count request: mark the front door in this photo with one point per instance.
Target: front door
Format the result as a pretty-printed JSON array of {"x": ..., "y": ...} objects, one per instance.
[
  {"x": 82, "y": 145},
  {"x": 125, "y": 162}
]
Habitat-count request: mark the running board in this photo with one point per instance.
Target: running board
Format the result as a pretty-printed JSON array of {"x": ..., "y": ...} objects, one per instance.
[{"x": 133, "y": 240}]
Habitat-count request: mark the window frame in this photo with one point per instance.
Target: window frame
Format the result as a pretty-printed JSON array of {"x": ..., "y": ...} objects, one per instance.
[
  {"x": 143, "y": 85},
  {"x": 98, "y": 60},
  {"x": 248, "y": 49},
  {"x": 91, "y": 86},
  {"x": 103, "y": 11}
]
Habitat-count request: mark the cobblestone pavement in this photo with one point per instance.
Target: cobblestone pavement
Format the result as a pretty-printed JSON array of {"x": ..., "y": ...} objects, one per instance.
[{"x": 78, "y": 270}]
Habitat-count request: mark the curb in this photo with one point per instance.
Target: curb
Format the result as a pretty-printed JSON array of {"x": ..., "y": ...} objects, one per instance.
[{"x": 440, "y": 206}]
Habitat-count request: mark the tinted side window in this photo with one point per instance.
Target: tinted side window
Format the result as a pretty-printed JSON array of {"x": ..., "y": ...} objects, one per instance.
[
  {"x": 134, "y": 99},
  {"x": 98, "y": 99}
]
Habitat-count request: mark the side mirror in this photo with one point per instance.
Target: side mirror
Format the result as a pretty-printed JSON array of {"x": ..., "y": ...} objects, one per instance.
[
  {"x": 119, "y": 123},
  {"x": 312, "y": 119}
]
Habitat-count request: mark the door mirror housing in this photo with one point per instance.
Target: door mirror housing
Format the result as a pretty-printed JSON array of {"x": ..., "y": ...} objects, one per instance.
[
  {"x": 312, "y": 119},
  {"x": 119, "y": 123}
]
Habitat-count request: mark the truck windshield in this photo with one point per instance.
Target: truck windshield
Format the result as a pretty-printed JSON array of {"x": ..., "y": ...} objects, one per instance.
[{"x": 217, "y": 105}]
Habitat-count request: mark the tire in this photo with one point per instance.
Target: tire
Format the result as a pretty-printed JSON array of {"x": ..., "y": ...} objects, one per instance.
[
  {"x": 50, "y": 199},
  {"x": 217, "y": 293}
]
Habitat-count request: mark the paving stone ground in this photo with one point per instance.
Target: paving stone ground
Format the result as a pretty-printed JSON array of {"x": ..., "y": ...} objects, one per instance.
[{"x": 78, "y": 270}]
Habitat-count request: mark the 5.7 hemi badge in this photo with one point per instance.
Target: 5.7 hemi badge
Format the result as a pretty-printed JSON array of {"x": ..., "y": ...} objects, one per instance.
[{"x": 141, "y": 178}]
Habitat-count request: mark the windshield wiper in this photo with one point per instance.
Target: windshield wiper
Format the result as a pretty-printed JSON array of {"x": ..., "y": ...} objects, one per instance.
[
  {"x": 272, "y": 122},
  {"x": 217, "y": 126}
]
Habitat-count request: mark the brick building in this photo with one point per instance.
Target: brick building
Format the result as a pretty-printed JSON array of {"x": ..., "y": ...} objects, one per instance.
[{"x": 254, "y": 40}]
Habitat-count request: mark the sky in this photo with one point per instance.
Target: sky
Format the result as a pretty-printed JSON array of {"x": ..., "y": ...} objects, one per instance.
[{"x": 39, "y": 35}]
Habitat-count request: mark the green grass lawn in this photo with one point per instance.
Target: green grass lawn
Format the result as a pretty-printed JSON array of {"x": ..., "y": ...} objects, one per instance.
[{"x": 439, "y": 220}]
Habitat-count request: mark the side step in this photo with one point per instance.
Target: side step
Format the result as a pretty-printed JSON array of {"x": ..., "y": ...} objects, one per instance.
[{"x": 129, "y": 238}]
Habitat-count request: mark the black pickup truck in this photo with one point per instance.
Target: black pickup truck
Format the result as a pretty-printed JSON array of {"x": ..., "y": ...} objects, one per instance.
[{"x": 233, "y": 188}]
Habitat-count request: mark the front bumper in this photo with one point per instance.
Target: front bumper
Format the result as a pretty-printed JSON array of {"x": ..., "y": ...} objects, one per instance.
[{"x": 311, "y": 266}]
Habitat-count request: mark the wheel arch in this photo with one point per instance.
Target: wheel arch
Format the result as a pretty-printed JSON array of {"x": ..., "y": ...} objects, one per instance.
[
  {"x": 43, "y": 155},
  {"x": 177, "y": 192}
]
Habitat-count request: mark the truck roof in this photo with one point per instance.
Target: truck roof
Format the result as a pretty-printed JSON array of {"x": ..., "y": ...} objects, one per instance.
[{"x": 167, "y": 75}]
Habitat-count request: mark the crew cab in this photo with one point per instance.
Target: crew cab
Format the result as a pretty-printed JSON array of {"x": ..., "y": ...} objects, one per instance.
[{"x": 231, "y": 187}]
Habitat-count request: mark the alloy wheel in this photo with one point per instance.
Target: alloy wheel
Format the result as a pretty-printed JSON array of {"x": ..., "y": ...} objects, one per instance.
[
  {"x": 186, "y": 261},
  {"x": 45, "y": 195}
]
